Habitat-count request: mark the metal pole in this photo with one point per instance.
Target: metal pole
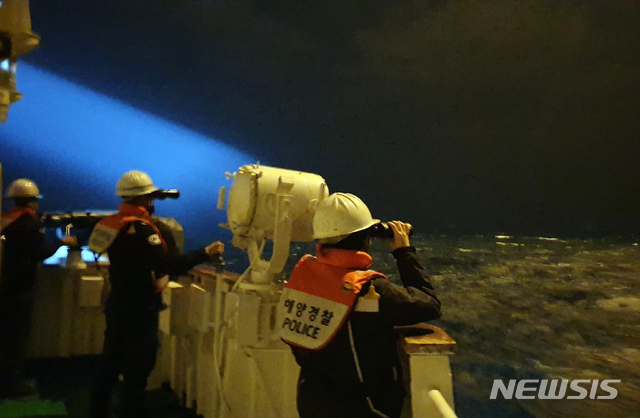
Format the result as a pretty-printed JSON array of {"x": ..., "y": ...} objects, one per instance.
[{"x": 442, "y": 405}]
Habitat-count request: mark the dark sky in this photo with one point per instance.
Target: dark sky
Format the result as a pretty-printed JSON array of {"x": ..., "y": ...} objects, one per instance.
[{"x": 475, "y": 116}]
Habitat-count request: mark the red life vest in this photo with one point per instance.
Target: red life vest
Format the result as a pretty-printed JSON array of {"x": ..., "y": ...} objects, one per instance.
[
  {"x": 321, "y": 294},
  {"x": 11, "y": 216},
  {"x": 106, "y": 231}
]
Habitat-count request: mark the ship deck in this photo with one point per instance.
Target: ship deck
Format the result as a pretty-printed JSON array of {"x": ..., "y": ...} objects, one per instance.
[{"x": 63, "y": 388}]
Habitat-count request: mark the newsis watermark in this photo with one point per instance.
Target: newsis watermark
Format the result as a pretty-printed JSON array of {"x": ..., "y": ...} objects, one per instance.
[{"x": 554, "y": 389}]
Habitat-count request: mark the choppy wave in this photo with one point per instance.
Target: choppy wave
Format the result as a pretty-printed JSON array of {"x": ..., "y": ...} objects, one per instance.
[{"x": 536, "y": 308}]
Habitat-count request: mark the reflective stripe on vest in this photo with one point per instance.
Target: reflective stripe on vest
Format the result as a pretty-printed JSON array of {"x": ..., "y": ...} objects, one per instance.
[
  {"x": 107, "y": 230},
  {"x": 317, "y": 301}
]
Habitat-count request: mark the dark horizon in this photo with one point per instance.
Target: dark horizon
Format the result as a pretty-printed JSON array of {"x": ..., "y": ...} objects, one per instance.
[{"x": 489, "y": 117}]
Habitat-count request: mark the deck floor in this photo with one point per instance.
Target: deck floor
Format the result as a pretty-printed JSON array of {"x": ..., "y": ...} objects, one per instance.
[{"x": 63, "y": 389}]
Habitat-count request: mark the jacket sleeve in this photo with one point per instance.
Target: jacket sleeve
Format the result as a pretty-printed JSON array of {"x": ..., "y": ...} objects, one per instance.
[
  {"x": 416, "y": 301},
  {"x": 166, "y": 262},
  {"x": 29, "y": 240}
]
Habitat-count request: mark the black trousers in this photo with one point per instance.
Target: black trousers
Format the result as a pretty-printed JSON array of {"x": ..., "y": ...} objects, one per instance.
[
  {"x": 130, "y": 347},
  {"x": 321, "y": 399},
  {"x": 16, "y": 310}
]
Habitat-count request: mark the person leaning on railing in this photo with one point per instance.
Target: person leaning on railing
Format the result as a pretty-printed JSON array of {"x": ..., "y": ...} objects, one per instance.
[
  {"x": 338, "y": 316},
  {"x": 139, "y": 257}
]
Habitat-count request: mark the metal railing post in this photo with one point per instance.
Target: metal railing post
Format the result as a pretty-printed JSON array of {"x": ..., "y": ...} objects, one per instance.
[{"x": 425, "y": 350}]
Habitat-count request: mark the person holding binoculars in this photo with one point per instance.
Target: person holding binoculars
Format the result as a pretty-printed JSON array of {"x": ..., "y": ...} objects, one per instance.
[
  {"x": 338, "y": 316},
  {"x": 139, "y": 257}
]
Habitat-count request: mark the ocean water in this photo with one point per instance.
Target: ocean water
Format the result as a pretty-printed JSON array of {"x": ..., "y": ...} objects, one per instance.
[{"x": 536, "y": 308}]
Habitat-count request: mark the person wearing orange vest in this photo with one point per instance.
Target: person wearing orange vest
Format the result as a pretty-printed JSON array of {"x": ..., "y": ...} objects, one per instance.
[
  {"x": 24, "y": 246},
  {"x": 139, "y": 257},
  {"x": 338, "y": 316}
]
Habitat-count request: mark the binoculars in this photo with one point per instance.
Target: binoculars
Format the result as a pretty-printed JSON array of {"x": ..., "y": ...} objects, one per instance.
[
  {"x": 165, "y": 194},
  {"x": 382, "y": 230}
]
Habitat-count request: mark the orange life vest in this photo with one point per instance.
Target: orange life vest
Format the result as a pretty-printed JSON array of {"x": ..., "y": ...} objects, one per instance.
[
  {"x": 106, "y": 231},
  {"x": 321, "y": 294},
  {"x": 11, "y": 216}
]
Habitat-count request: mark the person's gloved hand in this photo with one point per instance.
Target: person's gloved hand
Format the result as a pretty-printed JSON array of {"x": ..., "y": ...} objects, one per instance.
[
  {"x": 214, "y": 249},
  {"x": 70, "y": 240},
  {"x": 400, "y": 234}
]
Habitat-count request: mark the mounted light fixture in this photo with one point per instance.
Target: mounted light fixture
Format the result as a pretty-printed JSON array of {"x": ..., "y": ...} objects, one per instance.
[{"x": 16, "y": 39}]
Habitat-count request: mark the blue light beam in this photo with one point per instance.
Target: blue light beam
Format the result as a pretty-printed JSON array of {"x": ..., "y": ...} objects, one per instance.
[{"x": 75, "y": 144}]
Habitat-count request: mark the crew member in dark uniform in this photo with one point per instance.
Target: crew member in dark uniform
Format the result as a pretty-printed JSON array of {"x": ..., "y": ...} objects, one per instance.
[
  {"x": 139, "y": 257},
  {"x": 23, "y": 248},
  {"x": 339, "y": 316}
]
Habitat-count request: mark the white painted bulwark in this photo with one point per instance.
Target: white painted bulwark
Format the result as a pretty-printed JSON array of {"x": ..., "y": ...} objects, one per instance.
[
  {"x": 199, "y": 307},
  {"x": 90, "y": 293},
  {"x": 68, "y": 318},
  {"x": 426, "y": 350}
]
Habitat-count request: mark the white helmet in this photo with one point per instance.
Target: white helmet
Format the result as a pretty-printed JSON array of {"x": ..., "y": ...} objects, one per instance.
[
  {"x": 23, "y": 188},
  {"x": 339, "y": 215},
  {"x": 135, "y": 183}
]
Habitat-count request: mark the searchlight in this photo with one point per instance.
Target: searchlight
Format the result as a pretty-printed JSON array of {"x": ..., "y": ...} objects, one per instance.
[{"x": 16, "y": 39}]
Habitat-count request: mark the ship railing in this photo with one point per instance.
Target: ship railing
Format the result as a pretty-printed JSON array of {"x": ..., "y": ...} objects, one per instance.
[
  {"x": 425, "y": 351},
  {"x": 203, "y": 354}
]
